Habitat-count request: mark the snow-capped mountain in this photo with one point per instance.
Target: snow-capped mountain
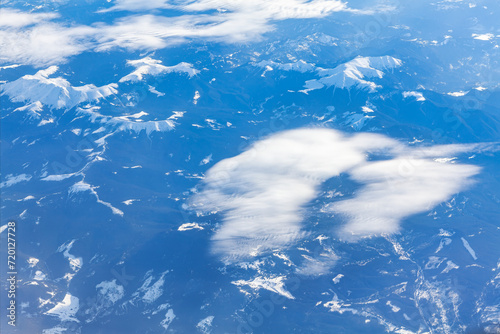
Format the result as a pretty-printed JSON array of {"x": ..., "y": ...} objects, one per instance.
[{"x": 53, "y": 92}]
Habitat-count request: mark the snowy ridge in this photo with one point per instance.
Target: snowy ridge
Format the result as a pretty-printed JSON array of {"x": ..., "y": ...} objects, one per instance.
[
  {"x": 83, "y": 187},
  {"x": 32, "y": 110},
  {"x": 299, "y": 66},
  {"x": 275, "y": 285},
  {"x": 150, "y": 66},
  {"x": 125, "y": 123},
  {"x": 353, "y": 73},
  {"x": 54, "y": 92}
]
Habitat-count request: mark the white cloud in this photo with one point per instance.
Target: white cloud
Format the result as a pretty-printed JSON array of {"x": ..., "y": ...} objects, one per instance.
[
  {"x": 276, "y": 10},
  {"x": 137, "y": 5},
  {"x": 151, "y": 32},
  {"x": 262, "y": 192},
  {"x": 15, "y": 18},
  {"x": 483, "y": 37},
  {"x": 395, "y": 189},
  {"x": 46, "y": 43},
  {"x": 318, "y": 266},
  {"x": 230, "y": 21}
]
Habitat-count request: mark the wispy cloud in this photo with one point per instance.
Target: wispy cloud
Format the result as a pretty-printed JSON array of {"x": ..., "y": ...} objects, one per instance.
[
  {"x": 137, "y": 5},
  {"x": 278, "y": 9},
  {"x": 15, "y": 18},
  {"x": 262, "y": 192},
  {"x": 43, "y": 44}
]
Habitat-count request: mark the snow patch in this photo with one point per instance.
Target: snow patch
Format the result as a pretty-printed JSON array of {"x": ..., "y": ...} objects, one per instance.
[
  {"x": 66, "y": 309},
  {"x": 151, "y": 292},
  {"x": 169, "y": 317},
  {"x": 205, "y": 325},
  {"x": 32, "y": 261},
  {"x": 39, "y": 276},
  {"x": 189, "y": 226},
  {"x": 206, "y": 160},
  {"x": 433, "y": 262},
  {"x": 83, "y": 187},
  {"x": 394, "y": 308},
  {"x": 12, "y": 180},
  {"x": 442, "y": 243},
  {"x": 337, "y": 278},
  {"x": 457, "y": 94},
  {"x": 57, "y": 177},
  {"x": 75, "y": 263},
  {"x": 196, "y": 97},
  {"x": 111, "y": 291},
  {"x": 417, "y": 95},
  {"x": 32, "y": 110},
  {"x": 153, "y": 67},
  {"x": 154, "y": 91},
  {"x": 449, "y": 266},
  {"x": 469, "y": 248}
]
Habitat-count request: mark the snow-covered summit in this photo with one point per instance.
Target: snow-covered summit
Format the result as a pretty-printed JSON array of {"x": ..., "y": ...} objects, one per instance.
[
  {"x": 354, "y": 73},
  {"x": 150, "y": 66},
  {"x": 53, "y": 92}
]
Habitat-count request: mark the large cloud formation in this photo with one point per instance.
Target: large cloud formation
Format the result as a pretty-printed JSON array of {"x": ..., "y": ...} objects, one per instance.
[
  {"x": 42, "y": 39},
  {"x": 262, "y": 192}
]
